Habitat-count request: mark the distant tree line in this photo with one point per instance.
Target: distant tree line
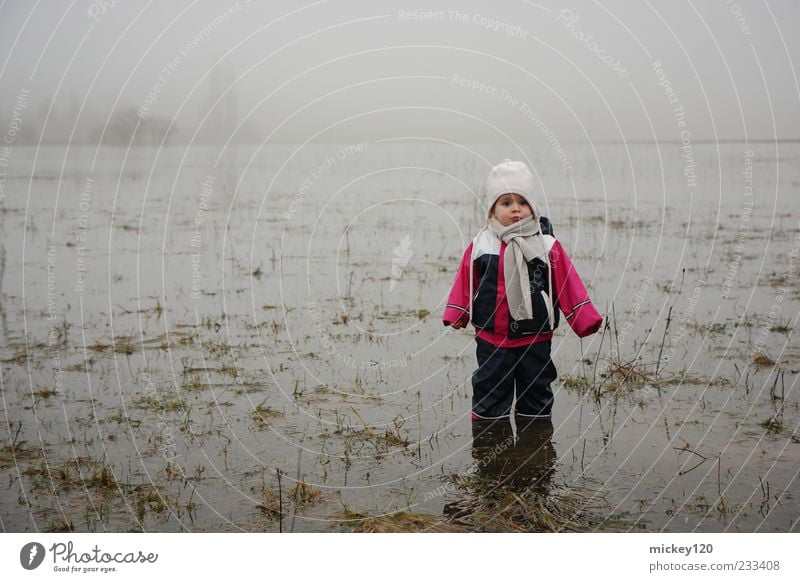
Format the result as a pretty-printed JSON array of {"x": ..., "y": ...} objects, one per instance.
[{"x": 125, "y": 126}]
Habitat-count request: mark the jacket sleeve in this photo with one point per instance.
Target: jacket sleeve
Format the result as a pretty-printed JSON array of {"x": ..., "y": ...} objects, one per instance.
[
  {"x": 573, "y": 299},
  {"x": 458, "y": 303}
]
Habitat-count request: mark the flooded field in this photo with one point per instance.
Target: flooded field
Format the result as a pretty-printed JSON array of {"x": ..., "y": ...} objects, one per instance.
[{"x": 250, "y": 339}]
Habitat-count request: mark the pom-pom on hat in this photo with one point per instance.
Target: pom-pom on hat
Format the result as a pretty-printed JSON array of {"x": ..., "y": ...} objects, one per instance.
[{"x": 509, "y": 178}]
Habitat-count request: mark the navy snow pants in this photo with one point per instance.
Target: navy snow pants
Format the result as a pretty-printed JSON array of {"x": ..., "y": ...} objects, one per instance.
[{"x": 529, "y": 368}]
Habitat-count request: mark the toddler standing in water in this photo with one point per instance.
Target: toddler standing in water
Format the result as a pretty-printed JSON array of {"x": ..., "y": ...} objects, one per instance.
[{"x": 513, "y": 280}]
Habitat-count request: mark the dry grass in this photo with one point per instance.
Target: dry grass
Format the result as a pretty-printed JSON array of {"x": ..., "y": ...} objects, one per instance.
[
  {"x": 400, "y": 522},
  {"x": 581, "y": 384},
  {"x": 19, "y": 357},
  {"x": 506, "y": 510},
  {"x": 45, "y": 393},
  {"x": 303, "y": 494},
  {"x": 12, "y": 453},
  {"x": 262, "y": 412},
  {"x": 631, "y": 373},
  {"x": 82, "y": 366},
  {"x": 382, "y": 442},
  {"x": 773, "y": 425},
  {"x": 761, "y": 360},
  {"x": 120, "y": 345},
  {"x": 270, "y": 506},
  {"x": 684, "y": 378}
]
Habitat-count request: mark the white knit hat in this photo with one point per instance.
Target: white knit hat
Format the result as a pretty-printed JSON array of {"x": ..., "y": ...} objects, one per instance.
[{"x": 509, "y": 178}]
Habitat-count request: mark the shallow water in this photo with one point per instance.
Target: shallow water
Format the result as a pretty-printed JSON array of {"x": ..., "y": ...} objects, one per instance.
[{"x": 212, "y": 329}]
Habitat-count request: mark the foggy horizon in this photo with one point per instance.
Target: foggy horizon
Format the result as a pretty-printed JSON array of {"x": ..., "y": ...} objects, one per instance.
[{"x": 344, "y": 72}]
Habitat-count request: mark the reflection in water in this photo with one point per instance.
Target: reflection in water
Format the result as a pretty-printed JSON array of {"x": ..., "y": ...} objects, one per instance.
[
  {"x": 521, "y": 466},
  {"x": 507, "y": 487}
]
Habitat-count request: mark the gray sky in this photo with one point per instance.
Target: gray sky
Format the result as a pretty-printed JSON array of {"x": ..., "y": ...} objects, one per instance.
[{"x": 584, "y": 70}]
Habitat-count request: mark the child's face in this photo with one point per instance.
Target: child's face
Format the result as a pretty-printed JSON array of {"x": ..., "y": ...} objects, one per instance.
[{"x": 511, "y": 208}]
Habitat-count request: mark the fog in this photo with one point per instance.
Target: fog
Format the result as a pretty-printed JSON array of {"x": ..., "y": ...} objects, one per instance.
[
  {"x": 242, "y": 331},
  {"x": 339, "y": 71}
]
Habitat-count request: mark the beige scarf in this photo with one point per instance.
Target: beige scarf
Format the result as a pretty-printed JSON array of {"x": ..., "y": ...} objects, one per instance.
[{"x": 525, "y": 242}]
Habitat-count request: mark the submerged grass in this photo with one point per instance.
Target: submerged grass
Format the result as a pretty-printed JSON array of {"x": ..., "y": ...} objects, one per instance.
[
  {"x": 773, "y": 425},
  {"x": 89, "y": 492},
  {"x": 762, "y": 360},
  {"x": 400, "y": 522},
  {"x": 304, "y": 494},
  {"x": 505, "y": 510},
  {"x": 16, "y": 452}
]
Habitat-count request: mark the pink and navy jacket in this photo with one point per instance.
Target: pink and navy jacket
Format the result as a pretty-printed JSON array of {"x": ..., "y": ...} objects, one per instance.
[{"x": 489, "y": 307}]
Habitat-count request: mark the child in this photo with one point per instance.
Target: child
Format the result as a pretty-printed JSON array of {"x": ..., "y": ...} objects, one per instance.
[{"x": 516, "y": 275}]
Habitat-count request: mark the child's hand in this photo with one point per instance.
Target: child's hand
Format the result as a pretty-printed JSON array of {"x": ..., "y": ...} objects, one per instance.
[{"x": 458, "y": 324}]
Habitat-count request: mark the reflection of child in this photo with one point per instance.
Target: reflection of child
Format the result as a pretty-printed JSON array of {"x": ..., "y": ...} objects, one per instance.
[
  {"x": 512, "y": 278},
  {"x": 523, "y": 461}
]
